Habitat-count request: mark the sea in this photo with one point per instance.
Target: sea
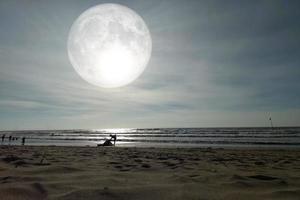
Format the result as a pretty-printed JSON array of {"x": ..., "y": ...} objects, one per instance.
[{"x": 282, "y": 137}]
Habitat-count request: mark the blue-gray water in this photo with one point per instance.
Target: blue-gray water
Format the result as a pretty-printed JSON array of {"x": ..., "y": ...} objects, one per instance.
[{"x": 163, "y": 137}]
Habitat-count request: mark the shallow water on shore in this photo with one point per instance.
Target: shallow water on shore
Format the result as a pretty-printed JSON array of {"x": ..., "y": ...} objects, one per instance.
[{"x": 162, "y": 137}]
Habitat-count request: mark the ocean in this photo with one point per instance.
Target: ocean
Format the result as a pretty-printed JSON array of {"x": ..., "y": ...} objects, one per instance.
[{"x": 161, "y": 137}]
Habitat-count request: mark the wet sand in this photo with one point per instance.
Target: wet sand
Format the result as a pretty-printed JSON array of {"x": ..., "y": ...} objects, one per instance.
[{"x": 147, "y": 173}]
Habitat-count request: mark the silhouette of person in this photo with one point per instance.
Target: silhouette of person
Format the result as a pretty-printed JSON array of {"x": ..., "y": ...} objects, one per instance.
[
  {"x": 114, "y": 138},
  {"x": 107, "y": 142},
  {"x": 9, "y": 138},
  {"x": 23, "y": 140},
  {"x": 3, "y": 137}
]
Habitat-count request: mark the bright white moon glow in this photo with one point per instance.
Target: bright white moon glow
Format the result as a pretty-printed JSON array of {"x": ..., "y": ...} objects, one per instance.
[{"x": 109, "y": 45}]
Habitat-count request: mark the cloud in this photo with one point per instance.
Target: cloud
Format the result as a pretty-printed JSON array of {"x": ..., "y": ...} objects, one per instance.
[{"x": 213, "y": 64}]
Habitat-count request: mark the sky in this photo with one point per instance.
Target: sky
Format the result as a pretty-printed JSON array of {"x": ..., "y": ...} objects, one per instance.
[{"x": 213, "y": 64}]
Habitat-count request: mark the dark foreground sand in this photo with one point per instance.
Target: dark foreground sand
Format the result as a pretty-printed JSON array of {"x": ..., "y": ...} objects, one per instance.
[{"x": 139, "y": 173}]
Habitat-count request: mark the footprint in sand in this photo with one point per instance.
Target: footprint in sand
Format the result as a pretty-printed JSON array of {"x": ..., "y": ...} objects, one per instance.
[{"x": 263, "y": 177}]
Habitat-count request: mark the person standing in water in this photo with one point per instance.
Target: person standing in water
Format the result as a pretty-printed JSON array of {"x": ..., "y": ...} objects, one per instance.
[
  {"x": 23, "y": 140},
  {"x": 3, "y": 137}
]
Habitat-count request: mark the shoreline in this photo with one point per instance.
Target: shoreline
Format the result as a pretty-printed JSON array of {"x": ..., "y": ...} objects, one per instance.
[{"x": 229, "y": 147}]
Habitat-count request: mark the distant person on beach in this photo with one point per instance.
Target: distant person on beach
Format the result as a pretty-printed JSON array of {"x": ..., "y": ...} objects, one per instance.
[
  {"x": 108, "y": 142},
  {"x": 3, "y": 137},
  {"x": 9, "y": 139},
  {"x": 113, "y": 138},
  {"x": 23, "y": 141}
]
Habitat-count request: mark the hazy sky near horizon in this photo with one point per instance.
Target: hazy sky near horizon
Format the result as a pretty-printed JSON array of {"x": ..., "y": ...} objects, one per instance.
[{"x": 214, "y": 63}]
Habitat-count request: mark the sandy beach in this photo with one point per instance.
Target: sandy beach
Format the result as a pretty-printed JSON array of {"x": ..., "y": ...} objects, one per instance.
[{"x": 32, "y": 172}]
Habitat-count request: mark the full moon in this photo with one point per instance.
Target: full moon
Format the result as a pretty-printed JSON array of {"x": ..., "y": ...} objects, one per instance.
[{"x": 109, "y": 45}]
